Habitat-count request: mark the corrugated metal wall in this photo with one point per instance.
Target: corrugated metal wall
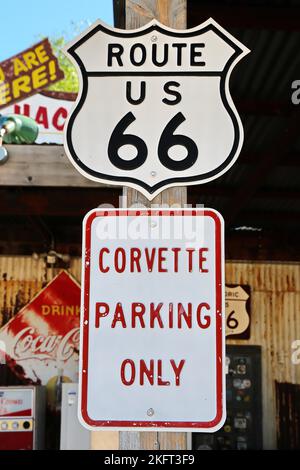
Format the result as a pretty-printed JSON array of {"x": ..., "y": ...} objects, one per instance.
[
  {"x": 275, "y": 324},
  {"x": 21, "y": 277},
  {"x": 275, "y": 314}
]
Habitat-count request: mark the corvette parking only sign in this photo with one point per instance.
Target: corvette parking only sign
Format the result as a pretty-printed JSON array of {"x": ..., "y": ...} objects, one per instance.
[
  {"x": 154, "y": 108},
  {"x": 152, "y": 323}
]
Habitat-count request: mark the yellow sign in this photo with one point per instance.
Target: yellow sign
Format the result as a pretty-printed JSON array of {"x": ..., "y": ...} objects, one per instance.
[{"x": 28, "y": 72}]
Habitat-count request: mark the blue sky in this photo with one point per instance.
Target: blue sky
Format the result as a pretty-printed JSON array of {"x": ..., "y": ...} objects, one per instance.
[{"x": 26, "y": 21}]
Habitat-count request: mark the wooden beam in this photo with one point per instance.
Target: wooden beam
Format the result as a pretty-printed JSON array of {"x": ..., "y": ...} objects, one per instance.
[
  {"x": 171, "y": 13},
  {"x": 119, "y": 13},
  {"x": 41, "y": 165},
  {"x": 48, "y": 165},
  {"x": 282, "y": 18}
]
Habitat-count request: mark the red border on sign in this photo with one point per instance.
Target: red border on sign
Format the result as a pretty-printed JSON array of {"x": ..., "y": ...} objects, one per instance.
[{"x": 219, "y": 327}]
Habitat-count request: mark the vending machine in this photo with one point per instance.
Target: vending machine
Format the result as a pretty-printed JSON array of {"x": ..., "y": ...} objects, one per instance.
[
  {"x": 73, "y": 436},
  {"x": 22, "y": 417}
]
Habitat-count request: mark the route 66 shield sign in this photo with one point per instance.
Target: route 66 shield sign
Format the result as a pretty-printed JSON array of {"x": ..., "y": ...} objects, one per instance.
[{"x": 154, "y": 108}]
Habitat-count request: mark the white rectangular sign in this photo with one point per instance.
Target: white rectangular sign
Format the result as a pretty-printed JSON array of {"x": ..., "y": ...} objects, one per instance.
[{"x": 152, "y": 323}]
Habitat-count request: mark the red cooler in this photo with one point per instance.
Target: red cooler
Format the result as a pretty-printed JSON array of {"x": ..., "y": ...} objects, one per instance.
[{"x": 22, "y": 418}]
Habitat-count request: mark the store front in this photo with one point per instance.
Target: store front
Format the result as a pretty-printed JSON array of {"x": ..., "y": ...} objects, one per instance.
[
  {"x": 255, "y": 367},
  {"x": 43, "y": 200}
]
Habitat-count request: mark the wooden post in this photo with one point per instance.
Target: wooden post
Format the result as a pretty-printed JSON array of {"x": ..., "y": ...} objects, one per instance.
[{"x": 171, "y": 13}]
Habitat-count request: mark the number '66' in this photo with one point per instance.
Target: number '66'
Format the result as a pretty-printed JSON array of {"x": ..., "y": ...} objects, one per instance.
[{"x": 167, "y": 140}]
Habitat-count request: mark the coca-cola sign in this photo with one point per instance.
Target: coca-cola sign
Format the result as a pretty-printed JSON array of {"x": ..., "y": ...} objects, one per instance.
[
  {"x": 29, "y": 345},
  {"x": 43, "y": 338}
]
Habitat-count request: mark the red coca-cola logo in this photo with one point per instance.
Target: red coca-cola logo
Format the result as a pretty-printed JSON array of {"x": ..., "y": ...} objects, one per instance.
[{"x": 30, "y": 345}]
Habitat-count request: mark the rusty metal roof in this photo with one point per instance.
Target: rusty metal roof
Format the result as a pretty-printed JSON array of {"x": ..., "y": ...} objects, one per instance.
[{"x": 262, "y": 189}]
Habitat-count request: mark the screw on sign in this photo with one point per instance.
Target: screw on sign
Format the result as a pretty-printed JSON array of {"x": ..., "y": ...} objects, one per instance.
[
  {"x": 151, "y": 104},
  {"x": 154, "y": 355}
]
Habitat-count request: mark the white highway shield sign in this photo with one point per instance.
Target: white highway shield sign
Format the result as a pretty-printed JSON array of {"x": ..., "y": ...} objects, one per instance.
[
  {"x": 154, "y": 108},
  {"x": 152, "y": 323}
]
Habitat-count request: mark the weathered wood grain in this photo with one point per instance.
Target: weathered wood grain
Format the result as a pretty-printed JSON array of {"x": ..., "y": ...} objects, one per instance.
[
  {"x": 171, "y": 13},
  {"x": 41, "y": 165}
]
